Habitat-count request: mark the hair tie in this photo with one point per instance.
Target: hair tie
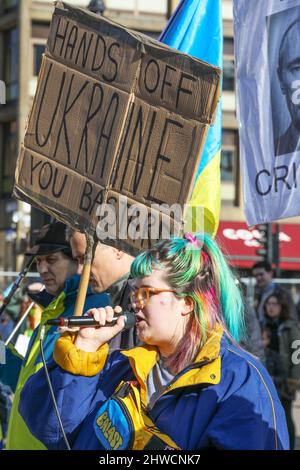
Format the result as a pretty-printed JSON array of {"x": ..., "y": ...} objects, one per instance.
[{"x": 192, "y": 239}]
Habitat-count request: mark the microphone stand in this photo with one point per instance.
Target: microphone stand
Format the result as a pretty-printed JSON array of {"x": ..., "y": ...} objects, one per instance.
[
  {"x": 3, "y": 344},
  {"x": 16, "y": 328},
  {"x": 16, "y": 284},
  {"x": 5, "y": 303}
]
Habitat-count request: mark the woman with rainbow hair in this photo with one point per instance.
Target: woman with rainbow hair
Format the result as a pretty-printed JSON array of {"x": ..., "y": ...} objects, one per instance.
[{"x": 189, "y": 386}]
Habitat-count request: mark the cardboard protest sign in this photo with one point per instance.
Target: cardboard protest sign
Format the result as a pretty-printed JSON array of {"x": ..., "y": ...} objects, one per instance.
[
  {"x": 115, "y": 114},
  {"x": 268, "y": 84}
]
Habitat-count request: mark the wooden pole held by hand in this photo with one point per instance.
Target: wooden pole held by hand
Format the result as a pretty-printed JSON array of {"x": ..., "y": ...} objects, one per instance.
[{"x": 85, "y": 276}]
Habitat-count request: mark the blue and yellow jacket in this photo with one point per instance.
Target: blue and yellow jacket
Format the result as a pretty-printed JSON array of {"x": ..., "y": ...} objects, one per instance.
[
  {"x": 19, "y": 436},
  {"x": 225, "y": 399}
]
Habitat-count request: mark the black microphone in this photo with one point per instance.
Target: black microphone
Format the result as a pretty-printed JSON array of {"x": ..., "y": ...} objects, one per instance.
[{"x": 90, "y": 321}]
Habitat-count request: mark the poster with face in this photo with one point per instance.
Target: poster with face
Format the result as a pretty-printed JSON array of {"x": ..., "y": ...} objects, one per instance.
[
  {"x": 284, "y": 61},
  {"x": 267, "y": 52}
]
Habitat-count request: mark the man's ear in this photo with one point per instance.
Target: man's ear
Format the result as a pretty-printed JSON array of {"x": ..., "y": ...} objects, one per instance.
[
  {"x": 119, "y": 254},
  {"x": 189, "y": 306}
]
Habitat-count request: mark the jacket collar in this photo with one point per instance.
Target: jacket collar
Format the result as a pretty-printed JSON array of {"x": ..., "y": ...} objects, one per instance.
[
  {"x": 205, "y": 369},
  {"x": 44, "y": 299},
  {"x": 117, "y": 289}
]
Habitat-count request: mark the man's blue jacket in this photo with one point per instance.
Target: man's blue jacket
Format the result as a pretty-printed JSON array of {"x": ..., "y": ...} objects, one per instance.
[{"x": 17, "y": 370}]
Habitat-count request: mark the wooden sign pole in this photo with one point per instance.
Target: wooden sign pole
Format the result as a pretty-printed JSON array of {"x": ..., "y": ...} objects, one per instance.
[{"x": 91, "y": 244}]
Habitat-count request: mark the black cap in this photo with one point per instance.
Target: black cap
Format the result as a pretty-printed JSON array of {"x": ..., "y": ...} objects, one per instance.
[{"x": 50, "y": 239}]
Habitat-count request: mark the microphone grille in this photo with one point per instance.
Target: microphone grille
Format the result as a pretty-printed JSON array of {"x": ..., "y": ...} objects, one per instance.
[{"x": 129, "y": 320}]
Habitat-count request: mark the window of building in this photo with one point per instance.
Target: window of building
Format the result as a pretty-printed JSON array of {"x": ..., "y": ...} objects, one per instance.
[
  {"x": 9, "y": 156},
  {"x": 228, "y": 74},
  {"x": 230, "y": 167},
  {"x": 11, "y": 61},
  {"x": 9, "y": 4},
  {"x": 228, "y": 65},
  {"x": 228, "y": 46},
  {"x": 227, "y": 164},
  {"x": 38, "y": 51}
]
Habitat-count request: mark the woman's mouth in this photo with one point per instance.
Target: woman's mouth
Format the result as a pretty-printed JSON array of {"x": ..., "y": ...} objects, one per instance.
[{"x": 139, "y": 318}]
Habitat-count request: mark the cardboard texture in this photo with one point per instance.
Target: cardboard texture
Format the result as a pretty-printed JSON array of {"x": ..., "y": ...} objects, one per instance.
[
  {"x": 115, "y": 114},
  {"x": 136, "y": 222}
]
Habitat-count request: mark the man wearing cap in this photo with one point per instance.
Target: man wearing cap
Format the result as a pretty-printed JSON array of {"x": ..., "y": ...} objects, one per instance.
[{"x": 57, "y": 269}]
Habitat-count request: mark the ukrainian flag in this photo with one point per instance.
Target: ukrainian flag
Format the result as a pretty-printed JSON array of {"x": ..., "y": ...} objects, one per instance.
[{"x": 196, "y": 29}]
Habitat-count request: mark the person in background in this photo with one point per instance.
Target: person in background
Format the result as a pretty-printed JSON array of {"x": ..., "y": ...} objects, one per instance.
[
  {"x": 13, "y": 310},
  {"x": 263, "y": 273},
  {"x": 189, "y": 386},
  {"x": 6, "y": 323},
  {"x": 274, "y": 362},
  {"x": 6, "y": 326},
  {"x": 58, "y": 273},
  {"x": 253, "y": 342},
  {"x": 6, "y": 397},
  {"x": 284, "y": 331}
]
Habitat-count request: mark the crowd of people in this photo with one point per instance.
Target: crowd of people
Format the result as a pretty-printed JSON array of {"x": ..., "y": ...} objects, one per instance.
[
  {"x": 279, "y": 321},
  {"x": 196, "y": 356}
]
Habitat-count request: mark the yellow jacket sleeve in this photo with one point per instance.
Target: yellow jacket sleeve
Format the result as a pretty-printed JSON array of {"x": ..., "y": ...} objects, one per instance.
[{"x": 76, "y": 361}]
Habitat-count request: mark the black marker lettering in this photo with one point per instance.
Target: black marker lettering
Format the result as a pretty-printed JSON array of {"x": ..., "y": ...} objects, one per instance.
[
  {"x": 57, "y": 193},
  {"x": 122, "y": 146},
  {"x": 90, "y": 116},
  {"x": 85, "y": 50},
  {"x": 105, "y": 134},
  {"x": 97, "y": 200},
  {"x": 71, "y": 42},
  {"x": 147, "y": 85},
  {"x": 63, "y": 124},
  {"x": 181, "y": 89},
  {"x": 138, "y": 173},
  {"x": 112, "y": 79},
  {"x": 43, "y": 182},
  {"x": 165, "y": 82},
  {"x": 161, "y": 157},
  {"x": 96, "y": 67},
  {"x": 37, "y": 137},
  {"x": 33, "y": 167},
  {"x": 86, "y": 193},
  {"x": 62, "y": 36}
]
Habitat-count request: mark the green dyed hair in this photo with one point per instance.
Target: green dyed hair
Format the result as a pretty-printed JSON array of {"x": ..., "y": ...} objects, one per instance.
[{"x": 196, "y": 268}]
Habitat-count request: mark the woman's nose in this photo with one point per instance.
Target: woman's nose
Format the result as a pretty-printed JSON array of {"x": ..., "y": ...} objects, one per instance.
[{"x": 136, "y": 306}]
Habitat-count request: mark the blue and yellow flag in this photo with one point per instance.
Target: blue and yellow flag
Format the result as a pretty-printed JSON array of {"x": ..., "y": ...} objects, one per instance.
[{"x": 196, "y": 29}]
